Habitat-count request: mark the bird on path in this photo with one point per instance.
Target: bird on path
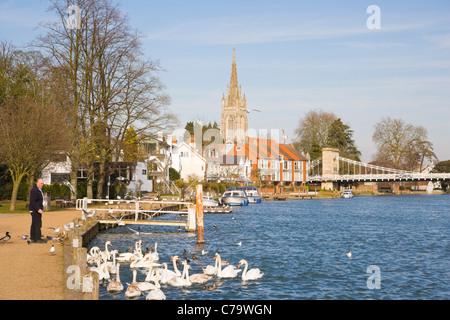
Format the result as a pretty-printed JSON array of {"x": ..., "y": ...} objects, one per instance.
[
  {"x": 52, "y": 249},
  {"x": 24, "y": 237},
  {"x": 5, "y": 238}
]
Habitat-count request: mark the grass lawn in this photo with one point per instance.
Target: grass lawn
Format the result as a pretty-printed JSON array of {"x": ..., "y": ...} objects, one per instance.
[{"x": 21, "y": 207}]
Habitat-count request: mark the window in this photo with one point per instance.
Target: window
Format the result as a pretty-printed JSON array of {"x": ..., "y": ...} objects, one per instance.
[
  {"x": 144, "y": 172},
  {"x": 184, "y": 154}
]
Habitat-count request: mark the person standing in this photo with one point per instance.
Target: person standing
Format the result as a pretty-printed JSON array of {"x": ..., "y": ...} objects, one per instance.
[{"x": 36, "y": 208}]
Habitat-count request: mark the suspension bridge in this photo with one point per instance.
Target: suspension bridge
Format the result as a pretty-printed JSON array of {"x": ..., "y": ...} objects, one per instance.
[{"x": 332, "y": 169}]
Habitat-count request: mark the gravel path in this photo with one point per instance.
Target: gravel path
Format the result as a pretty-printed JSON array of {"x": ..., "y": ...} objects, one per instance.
[{"x": 30, "y": 271}]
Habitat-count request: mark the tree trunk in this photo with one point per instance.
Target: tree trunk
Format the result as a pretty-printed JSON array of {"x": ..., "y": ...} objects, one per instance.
[{"x": 17, "y": 178}]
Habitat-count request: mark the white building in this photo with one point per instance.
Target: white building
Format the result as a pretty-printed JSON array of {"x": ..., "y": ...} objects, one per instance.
[{"x": 191, "y": 163}]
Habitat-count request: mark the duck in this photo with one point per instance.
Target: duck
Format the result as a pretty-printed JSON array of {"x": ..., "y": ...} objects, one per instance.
[
  {"x": 115, "y": 286},
  {"x": 349, "y": 254},
  {"x": 156, "y": 294},
  {"x": 228, "y": 272},
  {"x": 133, "y": 290},
  {"x": 204, "y": 252},
  {"x": 52, "y": 249},
  {"x": 213, "y": 287},
  {"x": 6, "y": 237},
  {"x": 251, "y": 274}
]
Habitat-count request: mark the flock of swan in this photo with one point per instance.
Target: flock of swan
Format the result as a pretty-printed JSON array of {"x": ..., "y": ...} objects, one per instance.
[{"x": 107, "y": 263}]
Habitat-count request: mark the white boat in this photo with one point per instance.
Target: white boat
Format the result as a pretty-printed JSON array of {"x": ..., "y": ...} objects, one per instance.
[
  {"x": 347, "y": 194},
  {"x": 251, "y": 193},
  {"x": 209, "y": 201},
  {"x": 234, "y": 198}
]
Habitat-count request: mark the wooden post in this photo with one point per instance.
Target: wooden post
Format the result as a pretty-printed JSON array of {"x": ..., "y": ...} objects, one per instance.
[{"x": 199, "y": 204}]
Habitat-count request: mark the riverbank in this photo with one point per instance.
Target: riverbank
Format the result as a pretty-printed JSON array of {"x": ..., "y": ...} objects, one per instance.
[{"x": 30, "y": 271}]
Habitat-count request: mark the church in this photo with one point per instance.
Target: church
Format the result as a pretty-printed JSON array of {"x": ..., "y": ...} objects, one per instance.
[
  {"x": 234, "y": 122},
  {"x": 254, "y": 158}
]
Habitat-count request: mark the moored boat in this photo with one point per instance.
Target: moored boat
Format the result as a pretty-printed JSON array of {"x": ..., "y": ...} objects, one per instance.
[
  {"x": 234, "y": 198},
  {"x": 347, "y": 194},
  {"x": 209, "y": 201},
  {"x": 251, "y": 193}
]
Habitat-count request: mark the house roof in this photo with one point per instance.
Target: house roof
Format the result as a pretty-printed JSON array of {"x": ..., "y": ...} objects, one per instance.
[{"x": 257, "y": 148}]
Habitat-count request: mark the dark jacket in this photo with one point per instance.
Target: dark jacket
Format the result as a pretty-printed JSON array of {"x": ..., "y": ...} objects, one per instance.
[{"x": 36, "y": 200}]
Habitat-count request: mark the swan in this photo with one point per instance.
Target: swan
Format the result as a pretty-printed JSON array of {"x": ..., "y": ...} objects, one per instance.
[
  {"x": 199, "y": 278},
  {"x": 101, "y": 269},
  {"x": 146, "y": 285},
  {"x": 112, "y": 265},
  {"x": 108, "y": 254},
  {"x": 133, "y": 289},
  {"x": 92, "y": 255},
  {"x": 251, "y": 274},
  {"x": 115, "y": 286},
  {"x": 349, "y": 254},
  {"x": 126, "y": 256},
  {"x": 228, "y": 272},
  {"x": 155, "y": 254},
  {"x": 156, "y": 294},
  {"x": 210, "y": 270},
  {"x": 174, "y": 260},
  {"x": 182, "y": 281},
  {"x": 166, "y": 274}
]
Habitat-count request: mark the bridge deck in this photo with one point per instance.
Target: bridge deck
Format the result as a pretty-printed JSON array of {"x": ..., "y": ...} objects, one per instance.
[{"x": 146, "y": 222}]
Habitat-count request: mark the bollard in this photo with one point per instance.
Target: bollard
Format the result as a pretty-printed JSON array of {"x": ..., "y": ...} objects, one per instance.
[{"x": 199, "y": 204}]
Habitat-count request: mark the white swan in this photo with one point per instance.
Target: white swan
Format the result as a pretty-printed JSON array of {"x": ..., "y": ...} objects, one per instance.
[
  {"x": 126, "y": 256},
  {"x": 182, "y": 281},
  {"x": 174, "y": 260},
  {"x": 92, "y": 255},
  {"x": 133, "y": 289},
  {"x": 101, "y": 269},
  {"x": 112, "y": 264},
  {"x": 166, "y": 274},
  {"x": 210, "y": 270},
  {"x": 228, "y": 272},
  {"x": 108, "y": 254},
  {"x": 115, "y": 286},
  {"x": 146, "y": 285},
  {"x": 349, "y": 254},
  {"x": 251, "y": 274},
  {"x": 156, "y": 294},
  {"x": 155, "y": 254}
]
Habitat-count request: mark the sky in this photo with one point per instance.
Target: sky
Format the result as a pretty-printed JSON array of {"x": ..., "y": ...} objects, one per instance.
[{"x": 292, "y": 57}]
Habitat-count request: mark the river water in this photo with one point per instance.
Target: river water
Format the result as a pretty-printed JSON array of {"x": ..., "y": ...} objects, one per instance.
[{"x": 300, "y": 246}]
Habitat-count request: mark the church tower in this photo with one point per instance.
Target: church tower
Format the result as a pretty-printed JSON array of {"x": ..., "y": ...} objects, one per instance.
[{"x": 234, "y": 122}]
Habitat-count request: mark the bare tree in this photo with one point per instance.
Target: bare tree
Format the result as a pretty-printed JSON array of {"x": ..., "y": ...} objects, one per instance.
[
  {"x": 111, "y": 86},
  {"x": 32, "y": 134},
  {"x": 401, "y": 143}
]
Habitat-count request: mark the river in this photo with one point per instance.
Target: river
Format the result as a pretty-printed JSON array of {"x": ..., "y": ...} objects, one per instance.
[{"x": 399, "y": 244}]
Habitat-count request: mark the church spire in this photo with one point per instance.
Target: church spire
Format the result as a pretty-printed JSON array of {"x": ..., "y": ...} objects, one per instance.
[
  {"x": 233, "y": 97},
  {"x": 234, "y": 79}
]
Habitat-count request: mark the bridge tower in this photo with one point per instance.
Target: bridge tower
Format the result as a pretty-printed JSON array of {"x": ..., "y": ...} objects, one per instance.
[{"x": 330, "y": 168}]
